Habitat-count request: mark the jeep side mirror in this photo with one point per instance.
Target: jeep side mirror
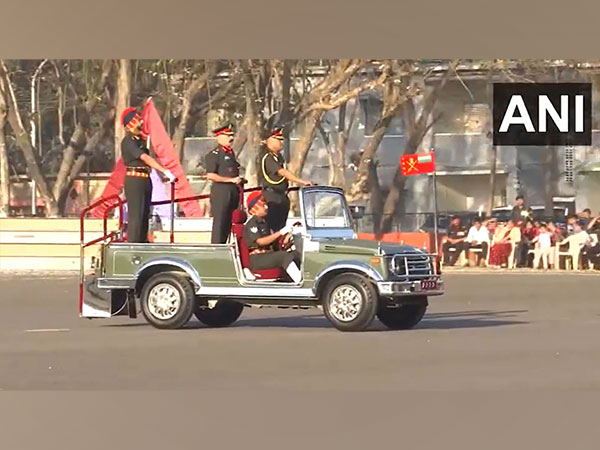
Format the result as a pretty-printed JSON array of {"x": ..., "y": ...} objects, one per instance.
[{"x": 357, "y": 211}]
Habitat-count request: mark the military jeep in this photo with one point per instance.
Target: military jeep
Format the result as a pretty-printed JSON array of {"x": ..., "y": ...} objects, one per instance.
[{"x": 351, "y": 280}]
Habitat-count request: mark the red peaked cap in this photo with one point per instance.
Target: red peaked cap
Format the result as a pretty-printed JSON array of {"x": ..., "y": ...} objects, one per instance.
[
  {"x": 226, "y": 129},
  {"x": 128, "y": 115},
  {"x": 277, "y": 133},
  {"x": 253, "y": 199}
]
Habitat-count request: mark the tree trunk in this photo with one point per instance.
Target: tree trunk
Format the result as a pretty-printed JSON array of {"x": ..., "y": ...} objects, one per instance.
[
  {"x": 324, "y": 96},
  {"x": 78, "y": 137},
  {"x": 549, "y": 159},
  {"x": 307, "y": 136},
  {"x": 184, "y": 119},
  {"x": 331, "y": 155},
  {"x": 22, "y": 138},
  {"x": 75, "y": 143},
  {"x": 337, "y": 172},
  {"x": 493, "y": 179},
  {"x": 416, "y": 135},
  {"x": 376, "y": 198},
  {"x": 4, "y": 170},
  {"x": 309, "y": 130},
  {"x": 286, "y": 87},
  {"x": 254, "y": 124},
  {"x": 361, "y": 186},
  {"x": 86, "y": 153},
  {"x": 122, "y": 101}
]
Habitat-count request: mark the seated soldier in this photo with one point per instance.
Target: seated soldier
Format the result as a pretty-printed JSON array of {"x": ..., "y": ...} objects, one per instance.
[{"x": 261, "y": 241}]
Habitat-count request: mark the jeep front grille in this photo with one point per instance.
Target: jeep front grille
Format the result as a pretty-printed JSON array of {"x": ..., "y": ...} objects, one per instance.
[{"x": 412, "y": 266}]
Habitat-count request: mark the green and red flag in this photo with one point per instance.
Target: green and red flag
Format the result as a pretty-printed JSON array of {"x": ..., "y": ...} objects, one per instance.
[{"x": 417, "y": 163}]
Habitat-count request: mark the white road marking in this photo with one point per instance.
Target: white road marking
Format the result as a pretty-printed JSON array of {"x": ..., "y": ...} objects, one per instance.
[{"x": 46, "y": 330}]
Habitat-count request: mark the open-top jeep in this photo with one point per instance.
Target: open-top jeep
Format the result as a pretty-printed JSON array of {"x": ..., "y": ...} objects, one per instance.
[{"x": 352, "y": 280}]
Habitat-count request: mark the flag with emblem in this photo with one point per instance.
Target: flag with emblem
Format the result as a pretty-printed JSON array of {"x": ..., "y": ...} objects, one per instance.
[{"x": 418, "y": 163}]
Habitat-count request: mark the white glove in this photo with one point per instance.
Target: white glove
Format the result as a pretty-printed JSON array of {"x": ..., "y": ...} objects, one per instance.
[
  {"x": 169, "y": 176},
  {"x": 285, "y": 230},
  {"x": 297, "y": 229}
]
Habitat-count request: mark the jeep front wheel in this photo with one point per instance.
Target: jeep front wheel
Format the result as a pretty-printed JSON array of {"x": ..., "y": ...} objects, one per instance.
[
  {"x": 350, "y": 302},
  {"x": 223, "y": 314},
  {"x": 404, "y": 316},
  {"x": 167, "y": 300}
]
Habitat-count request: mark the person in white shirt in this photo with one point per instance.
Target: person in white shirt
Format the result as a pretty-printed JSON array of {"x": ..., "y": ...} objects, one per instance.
[
  {"x": 479, "y": 237},
  {"x": 576, "y": 241},
  {"x": 543, "y": 247}
]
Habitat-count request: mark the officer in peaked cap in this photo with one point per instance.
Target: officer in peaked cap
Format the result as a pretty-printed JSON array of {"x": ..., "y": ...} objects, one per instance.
[
  {"x": 262, "y": 241},
  {"x": 138, "y": 187},
  {"x": 274, "y": 179},
  {"x": 224, "y": 171}
]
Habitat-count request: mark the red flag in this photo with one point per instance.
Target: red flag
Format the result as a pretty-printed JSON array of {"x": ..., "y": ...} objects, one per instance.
[
  {"x": 113, "y": 187},
  {"x": 163, "y": 147},
  {"x": 417, "y": 163}
]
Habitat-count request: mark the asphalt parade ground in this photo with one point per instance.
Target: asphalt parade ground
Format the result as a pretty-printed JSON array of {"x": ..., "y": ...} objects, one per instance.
[
  {"x": 500, "y": 361},
  {"x": 488, "y": 332}
]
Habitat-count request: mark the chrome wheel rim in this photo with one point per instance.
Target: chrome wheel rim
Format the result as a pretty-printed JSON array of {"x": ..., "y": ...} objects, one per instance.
[
  {"x": 346, "y": 303},
  {"x": 164, "y": 301}
]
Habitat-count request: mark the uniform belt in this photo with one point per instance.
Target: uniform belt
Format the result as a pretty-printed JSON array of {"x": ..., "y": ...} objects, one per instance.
[
  {"x": 143, "y": 173},
  {"x": 258, "y": 251},
  {"x": 274, "y": 189}
]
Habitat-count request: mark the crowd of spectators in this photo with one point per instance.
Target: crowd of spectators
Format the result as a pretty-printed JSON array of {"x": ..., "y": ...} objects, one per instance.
[{"x": 525, "y": 242}]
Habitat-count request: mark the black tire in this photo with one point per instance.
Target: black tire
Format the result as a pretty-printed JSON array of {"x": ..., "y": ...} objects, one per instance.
[
  {"x": 224, "y": 313},
  {"x": 403, "y": 317},
  {"x": 366, "y": 309},
  {"x": 179, "y": 285}
]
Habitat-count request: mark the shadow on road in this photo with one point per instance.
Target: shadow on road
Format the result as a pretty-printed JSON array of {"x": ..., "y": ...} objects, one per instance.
[
  {"x": 434, "y": 321},
  {"x": 462, "y": 319},
  {"x": 471, "y": 319}
]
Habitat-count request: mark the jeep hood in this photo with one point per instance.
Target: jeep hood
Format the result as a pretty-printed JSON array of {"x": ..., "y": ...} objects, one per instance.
[{"x": 365, "y": 247}]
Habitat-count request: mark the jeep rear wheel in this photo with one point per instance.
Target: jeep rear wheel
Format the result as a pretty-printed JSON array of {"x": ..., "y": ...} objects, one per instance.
[
  {"x": 167, "y": 300},
  {"x": 223, "y": 314},
  {"x": 403, "y": 317},
  {"x": 350, "y": 302}
]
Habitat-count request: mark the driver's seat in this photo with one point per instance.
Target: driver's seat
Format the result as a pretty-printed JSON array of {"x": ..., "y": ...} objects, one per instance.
[{"x": 239, "y": 218}]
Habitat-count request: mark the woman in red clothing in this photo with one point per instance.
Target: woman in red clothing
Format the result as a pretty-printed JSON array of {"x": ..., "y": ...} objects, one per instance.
[
  {"x": 528, "y": 233},
  {"x": 502, "y": 247}
]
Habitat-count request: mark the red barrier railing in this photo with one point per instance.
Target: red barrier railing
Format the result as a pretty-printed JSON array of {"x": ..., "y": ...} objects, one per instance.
[{"x": 117, "y": 201}]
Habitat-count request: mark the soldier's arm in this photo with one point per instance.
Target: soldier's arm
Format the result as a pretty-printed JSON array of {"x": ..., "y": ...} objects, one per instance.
[
  {"x": 219, "y": 179},
  {"x": 293, "y": 178},
  {"x": 268, "y": 240},
  {"x": 150, "y": 161}
]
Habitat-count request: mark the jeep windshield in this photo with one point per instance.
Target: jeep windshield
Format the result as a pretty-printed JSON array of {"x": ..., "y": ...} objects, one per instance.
[{"x": 326, "y": 213}]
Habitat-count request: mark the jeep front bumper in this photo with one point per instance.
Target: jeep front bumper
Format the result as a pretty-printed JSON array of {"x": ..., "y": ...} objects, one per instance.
[{"x": 406, "y": 288}]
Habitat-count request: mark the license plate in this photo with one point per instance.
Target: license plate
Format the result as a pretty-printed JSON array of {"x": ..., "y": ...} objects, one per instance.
[{"x": 428, "y": 285}]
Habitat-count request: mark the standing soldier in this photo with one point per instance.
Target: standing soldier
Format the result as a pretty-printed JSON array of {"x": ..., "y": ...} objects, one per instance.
[
  {"x": 274, "y": 179},
  {"x": 138, "y": 187},
  {"x": 224, "y": 171}
]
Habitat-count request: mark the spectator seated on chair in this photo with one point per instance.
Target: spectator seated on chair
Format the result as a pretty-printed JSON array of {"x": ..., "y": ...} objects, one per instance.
[
  {"x": 528, "y": 233},
  {"x": 261, "y": 241},
  {"x": 585, "y": 217},
  {"x": 577, "y": 241},
  {"x": 455, "y": 242},
  {"x": 571, "y": 221},
  {"x": 478, "y": 239},
  {"x": 591, "y": 252},
  {"x": 501, "y": 247}
]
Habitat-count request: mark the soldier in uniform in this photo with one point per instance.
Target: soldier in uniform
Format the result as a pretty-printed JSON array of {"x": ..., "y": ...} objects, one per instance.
[
  {"x": 261, "y": 241},
  {"x": 224, "y": 171},
  {"x": 274, "y": 179},
  {"x": 138, "y": 187}
]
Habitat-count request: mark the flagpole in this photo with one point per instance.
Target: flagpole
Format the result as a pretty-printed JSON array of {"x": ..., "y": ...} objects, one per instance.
[{"x": 435, "y": 207}]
